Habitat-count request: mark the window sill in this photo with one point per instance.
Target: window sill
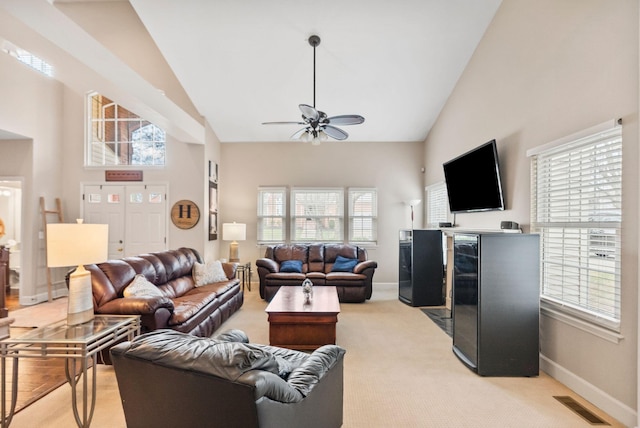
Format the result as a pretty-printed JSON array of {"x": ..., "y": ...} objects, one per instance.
[{"x": 560, "y": 313}]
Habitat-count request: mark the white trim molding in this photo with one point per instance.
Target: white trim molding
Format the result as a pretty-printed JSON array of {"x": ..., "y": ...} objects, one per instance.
[{"x": 588, "y": 391}]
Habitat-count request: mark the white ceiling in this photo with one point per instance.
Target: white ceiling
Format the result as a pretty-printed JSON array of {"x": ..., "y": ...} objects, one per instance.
[{"x": 244, "y": 62}]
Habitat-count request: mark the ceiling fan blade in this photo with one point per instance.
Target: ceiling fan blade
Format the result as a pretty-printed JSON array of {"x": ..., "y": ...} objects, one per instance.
[
  {"x": 346, "y": 119},
  {"x": 309, "y": 112},
  {"x": 334, "y": 132},
  {"x": 283, "y": 123},
  {"x": 298, "y": 134}
]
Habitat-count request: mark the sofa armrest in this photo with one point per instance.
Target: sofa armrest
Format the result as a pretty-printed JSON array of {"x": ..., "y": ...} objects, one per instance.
[
  {"x": 362, "y": 266},
  {"x": 230, "y": 269},
  {"x": 135, "y": 305},
  {"x": 270, "y": 265},
  {"x": 309, "y": 373},
  {"x": 270, "y": 385}
]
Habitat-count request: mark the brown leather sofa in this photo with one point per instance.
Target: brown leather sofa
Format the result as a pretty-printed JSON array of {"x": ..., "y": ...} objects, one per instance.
[
  {"x": 171, "y": 379},
  {"x": 318, "y": 262},
  {"x": 181, "y": 306}
]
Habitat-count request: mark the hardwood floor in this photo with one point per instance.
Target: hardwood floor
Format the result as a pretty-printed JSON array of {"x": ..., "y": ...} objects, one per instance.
[
  {"x": 36, "y": 376},
  {"x": 11, "y": 300}
]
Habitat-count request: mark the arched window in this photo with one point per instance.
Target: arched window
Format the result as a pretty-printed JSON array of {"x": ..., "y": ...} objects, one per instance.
[{"x": 119, "y": 137}]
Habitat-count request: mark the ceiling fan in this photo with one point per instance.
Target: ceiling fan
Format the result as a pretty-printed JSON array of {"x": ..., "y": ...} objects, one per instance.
[{"x": 317, "y": 125}]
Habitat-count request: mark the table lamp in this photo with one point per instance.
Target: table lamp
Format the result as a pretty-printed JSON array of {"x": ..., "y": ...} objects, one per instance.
[
  {"x": 77, "y": 244},
  {"x": 234, "y": 232}
]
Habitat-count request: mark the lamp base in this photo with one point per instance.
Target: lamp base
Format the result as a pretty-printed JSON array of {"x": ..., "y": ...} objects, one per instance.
[
  {"x": 80, "y": 309},
  {"x": 233, "y": 252}
]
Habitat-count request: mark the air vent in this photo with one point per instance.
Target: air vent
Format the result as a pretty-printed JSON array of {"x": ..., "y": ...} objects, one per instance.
[{"x": 580, "y": 410}]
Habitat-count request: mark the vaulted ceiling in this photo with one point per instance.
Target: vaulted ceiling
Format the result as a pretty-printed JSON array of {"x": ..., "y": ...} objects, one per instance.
[{"x": 244, "y": 62}]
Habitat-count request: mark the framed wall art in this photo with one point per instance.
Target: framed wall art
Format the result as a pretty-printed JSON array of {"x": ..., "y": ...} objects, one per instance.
[{"x": 213, "y": 207}]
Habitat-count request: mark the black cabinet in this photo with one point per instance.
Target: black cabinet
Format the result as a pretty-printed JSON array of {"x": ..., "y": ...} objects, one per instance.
[
  {"x": 421, "y": 269},
  {"x": 496, "y": 303}
]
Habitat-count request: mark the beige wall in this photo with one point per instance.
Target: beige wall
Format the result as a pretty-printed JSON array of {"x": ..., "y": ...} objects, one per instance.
[
  {"x": 544, "y": 70},
  {"x": 31, "y": 106},
  {"x": 392, "y": 168},
  {"x": 184, "y": 174}
]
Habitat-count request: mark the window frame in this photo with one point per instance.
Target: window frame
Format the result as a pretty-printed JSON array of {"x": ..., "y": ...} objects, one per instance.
[
  {"x": 345, "y": 219},
  {"x": 261, "y": 216},
  {"x": 313, "y": 196},
  {"x": 581, "y": 268},
  {"x": 437, "y": 208},
  {"x": 355, "y": 215},
  {"x": 103, "y": 153}
]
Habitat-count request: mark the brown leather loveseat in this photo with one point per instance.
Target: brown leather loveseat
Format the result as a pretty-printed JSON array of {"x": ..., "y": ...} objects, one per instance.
[
  {"x": 177, "y": 303},
  {"x": 320, "y": 263}
]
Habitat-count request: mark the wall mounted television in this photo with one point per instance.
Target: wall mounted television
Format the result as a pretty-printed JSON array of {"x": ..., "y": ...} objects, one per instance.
[{"x": 473, "y": 180}]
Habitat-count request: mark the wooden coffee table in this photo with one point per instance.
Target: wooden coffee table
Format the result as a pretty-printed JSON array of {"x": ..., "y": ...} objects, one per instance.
[{"x": 304, "y": 326}]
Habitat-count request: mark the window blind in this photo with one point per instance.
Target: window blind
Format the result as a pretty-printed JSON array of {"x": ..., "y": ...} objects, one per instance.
[
  {"x": 363, "y": 215},
  {"x": 271, "y": 214},
  {"x": 437, "y": 204},
  {"x": 577, "y": 209},
  {"x": 317, "y": 215}
]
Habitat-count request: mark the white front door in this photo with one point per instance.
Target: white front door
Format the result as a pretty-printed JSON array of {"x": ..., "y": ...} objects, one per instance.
[
  {"x": 136, "y": 215},
  {"x": 146, "y": 219}
]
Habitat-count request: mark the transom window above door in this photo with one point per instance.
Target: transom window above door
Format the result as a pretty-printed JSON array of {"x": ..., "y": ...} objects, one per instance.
[{"x": 116, "y": 136}]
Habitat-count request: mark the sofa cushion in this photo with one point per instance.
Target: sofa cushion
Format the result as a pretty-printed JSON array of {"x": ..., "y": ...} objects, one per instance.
[
  {"x": 344, "y": 264},
  {"x": 291, "y": 266},
  {"x": 208, "y": 273},
  {"x": 188, "y": 306},
  {"x": 140, "y": 287}
]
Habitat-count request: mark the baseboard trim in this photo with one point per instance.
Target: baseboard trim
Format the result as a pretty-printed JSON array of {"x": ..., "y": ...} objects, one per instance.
[
  {"x": 28, "y": 300},
  {"x": 590, "y": 392}
]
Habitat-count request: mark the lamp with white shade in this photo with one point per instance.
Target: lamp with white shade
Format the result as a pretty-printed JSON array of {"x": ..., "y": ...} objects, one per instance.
[
  {"x": 234, "y": 232},
  {"x": 77, "y": 244}
]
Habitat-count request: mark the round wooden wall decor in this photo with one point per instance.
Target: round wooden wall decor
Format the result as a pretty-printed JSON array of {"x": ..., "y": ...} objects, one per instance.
[{"x": 185, "y": 214}]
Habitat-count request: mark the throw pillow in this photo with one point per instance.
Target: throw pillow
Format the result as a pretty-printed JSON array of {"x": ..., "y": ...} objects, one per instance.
[
  {"x": 344, "y": 264},
  {"x": 291, "y": 266},
  {"x": 208, "y": 273},
  {"x": 140, "y": 287}
]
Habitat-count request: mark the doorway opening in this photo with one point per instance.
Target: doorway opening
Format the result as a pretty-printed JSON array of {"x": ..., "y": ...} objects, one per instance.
[{"x": 11, "y": 233}]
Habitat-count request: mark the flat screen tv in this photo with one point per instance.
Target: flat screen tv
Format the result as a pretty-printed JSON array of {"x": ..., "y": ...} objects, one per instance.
[{"x": 473, "y": 180}]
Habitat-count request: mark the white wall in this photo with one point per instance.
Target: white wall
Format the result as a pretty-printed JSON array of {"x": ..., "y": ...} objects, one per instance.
[
  {"x": 544, "y": 70},
  {"x": 392, "y": 168}
]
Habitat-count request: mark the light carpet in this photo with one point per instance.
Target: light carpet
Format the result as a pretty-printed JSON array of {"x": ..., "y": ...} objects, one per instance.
[{"x": 399, "y": 372}]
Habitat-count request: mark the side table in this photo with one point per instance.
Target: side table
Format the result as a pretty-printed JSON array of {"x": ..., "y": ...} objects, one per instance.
[
  {"x": 78, "y": 345},
  {"x": 245, "y": 270}
]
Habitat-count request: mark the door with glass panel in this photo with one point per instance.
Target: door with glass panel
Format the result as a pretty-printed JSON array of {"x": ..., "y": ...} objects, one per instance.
[{"x": 136, "y": 215}]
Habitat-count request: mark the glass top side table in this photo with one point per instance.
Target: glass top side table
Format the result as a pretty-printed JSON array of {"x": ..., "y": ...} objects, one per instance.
[
  {"x": 77, "y": 344},
  {"x": 245, "y": 270}
]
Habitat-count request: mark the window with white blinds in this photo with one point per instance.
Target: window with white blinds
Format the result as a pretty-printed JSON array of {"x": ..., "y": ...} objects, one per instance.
[
  {"x": 272, "y": 203},
  {"x": 437, "y": 204},
  {"x": 363, "y": 215},
  {"x": 317, "y": 215},
  {"x": 577, "y": 210}
]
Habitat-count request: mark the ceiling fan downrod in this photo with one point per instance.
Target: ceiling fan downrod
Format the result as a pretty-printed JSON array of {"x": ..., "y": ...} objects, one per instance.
[{"x": 314, "y": 41}]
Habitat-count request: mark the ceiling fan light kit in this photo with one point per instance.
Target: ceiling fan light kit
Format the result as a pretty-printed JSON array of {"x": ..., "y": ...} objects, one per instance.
[{"x": 318, "y": 126}]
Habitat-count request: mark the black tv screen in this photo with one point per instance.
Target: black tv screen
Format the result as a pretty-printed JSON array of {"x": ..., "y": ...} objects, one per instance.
[{"x": 473, "y": 180}]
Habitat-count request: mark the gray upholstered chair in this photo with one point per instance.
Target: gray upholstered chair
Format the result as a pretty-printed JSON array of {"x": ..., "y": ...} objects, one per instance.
[{"x": 172, "y": 379}]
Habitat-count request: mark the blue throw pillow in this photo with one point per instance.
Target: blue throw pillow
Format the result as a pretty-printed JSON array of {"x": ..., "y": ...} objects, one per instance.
[
  {"x": 344, "y": 264},
  {"x": 291, "y": 266}
]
